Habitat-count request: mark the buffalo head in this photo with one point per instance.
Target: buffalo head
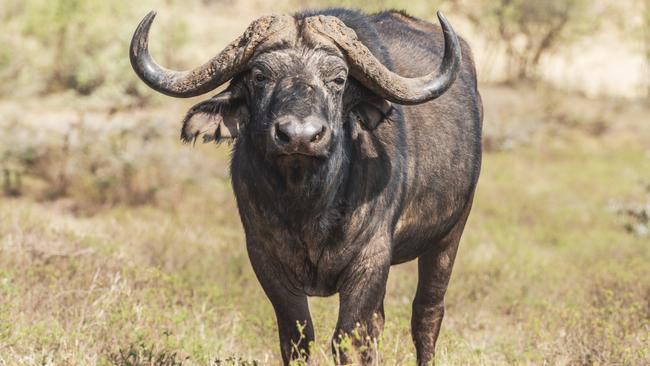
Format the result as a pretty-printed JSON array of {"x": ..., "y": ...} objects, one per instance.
[{"x": 294, "y": 83}]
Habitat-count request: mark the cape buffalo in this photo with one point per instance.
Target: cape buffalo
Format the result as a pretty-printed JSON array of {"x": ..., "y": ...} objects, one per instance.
[{"x": 357, "y": 146}]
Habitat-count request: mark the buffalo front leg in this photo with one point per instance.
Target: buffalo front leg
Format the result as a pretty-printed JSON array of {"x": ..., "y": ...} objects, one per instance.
[
  {"x": 361, "y": 310},
  {"x": 434, "y": 270},
  {"x": 295, "y": 327}
]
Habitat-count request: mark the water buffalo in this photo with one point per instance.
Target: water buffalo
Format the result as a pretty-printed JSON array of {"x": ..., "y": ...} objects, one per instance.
[{"x": 357, "y": 146}]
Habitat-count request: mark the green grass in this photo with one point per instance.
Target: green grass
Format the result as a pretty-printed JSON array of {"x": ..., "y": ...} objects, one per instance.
[{"x": 546, "y": 272}]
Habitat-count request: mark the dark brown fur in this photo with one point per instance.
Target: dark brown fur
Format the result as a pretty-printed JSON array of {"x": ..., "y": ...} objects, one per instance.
[{"x": 393, "y": 184}]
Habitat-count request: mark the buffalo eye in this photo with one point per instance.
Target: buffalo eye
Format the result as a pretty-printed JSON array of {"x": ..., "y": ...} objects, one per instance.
[
  {"x": 337, "y": 82},
  {"x": 259, "y": 79}
]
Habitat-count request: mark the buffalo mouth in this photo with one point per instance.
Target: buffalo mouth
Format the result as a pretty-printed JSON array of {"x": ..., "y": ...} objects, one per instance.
[
  {"x": 301, "y": 155},
  {"x": 289, "y": 153},
  {"x": 300, "y": 160},
  {"x": 298, "y": 168}
]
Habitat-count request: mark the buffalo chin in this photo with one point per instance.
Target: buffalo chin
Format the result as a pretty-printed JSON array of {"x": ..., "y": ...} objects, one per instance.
[{"x": 298, "y": 170}]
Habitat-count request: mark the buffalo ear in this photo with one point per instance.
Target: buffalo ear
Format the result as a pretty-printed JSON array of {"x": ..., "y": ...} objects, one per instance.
[
  {"x": 370, "y": 113},
  {"x": 217, "y": 119}
]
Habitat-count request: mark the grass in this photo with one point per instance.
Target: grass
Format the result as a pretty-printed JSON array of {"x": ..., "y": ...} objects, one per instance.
[{"x": 547, "y": 272}]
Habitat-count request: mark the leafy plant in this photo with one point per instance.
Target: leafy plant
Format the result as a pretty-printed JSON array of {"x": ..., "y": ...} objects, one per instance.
[
  {"x": 530, "y": 29},
  {"x": 76, "y": 45},
  {"x": 144, "y": 355}
]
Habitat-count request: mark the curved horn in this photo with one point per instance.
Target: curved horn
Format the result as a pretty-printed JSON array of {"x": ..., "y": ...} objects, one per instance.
[
  {"x": 212, "y": 74},
  {"x": 374, "y": 75}
]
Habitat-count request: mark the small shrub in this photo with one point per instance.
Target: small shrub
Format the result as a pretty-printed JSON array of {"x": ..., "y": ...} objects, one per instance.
[
  {"x": 636, "y": 215},
  {"x": 530, "y": 30},
  {"x": 235, "y": 361},
  {"x": 144, "y": 355},
  {"x": 77, "y": 45}
]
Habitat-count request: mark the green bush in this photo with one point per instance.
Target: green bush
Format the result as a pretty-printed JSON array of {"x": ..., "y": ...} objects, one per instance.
[
  {"x": 75, "y": 45},
  {"x": 530, "y": 29}
]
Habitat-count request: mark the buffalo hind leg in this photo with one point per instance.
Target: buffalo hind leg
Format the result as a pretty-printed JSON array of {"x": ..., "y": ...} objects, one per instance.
[{"x": 434, "y": 270}]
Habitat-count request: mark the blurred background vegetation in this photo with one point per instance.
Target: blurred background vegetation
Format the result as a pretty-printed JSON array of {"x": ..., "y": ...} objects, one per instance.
[
  {"x": 120, "y": 245},
  {"x": 78, "y": 45}
]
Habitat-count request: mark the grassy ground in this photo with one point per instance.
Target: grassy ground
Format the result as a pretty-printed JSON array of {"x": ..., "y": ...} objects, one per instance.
[{"x": 552, "y": 269}]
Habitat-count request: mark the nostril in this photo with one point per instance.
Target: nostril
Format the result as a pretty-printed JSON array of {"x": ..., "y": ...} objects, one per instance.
[
  {"x": 281, "y": 136},
  {"x": 319, "y": 135}
]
